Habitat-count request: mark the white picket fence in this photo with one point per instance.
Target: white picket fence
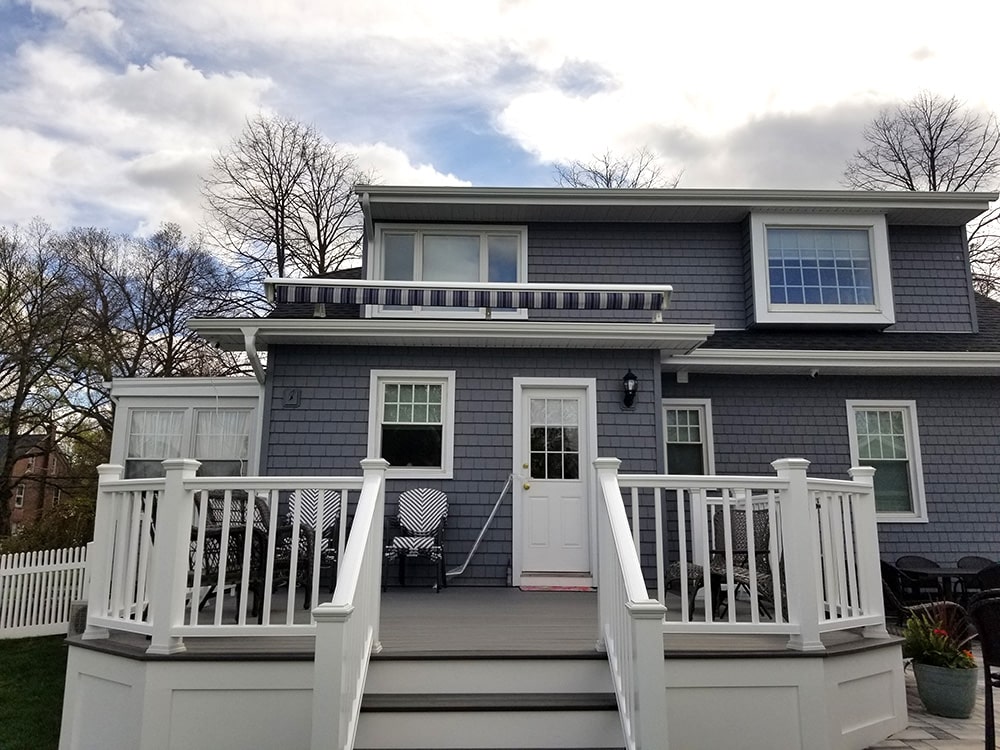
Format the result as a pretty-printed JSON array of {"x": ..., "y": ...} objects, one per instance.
[{"x": 37, "y": 589}]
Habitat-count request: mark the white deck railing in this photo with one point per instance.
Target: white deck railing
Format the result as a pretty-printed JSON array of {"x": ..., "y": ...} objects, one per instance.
[
  {"x": 37, "y": 589},
  {"x": 347, "y": 628},
  {"x": 209, "y": 556},
  {"x": 811, "y": 567},
  {"x": 630, "y": 621}
]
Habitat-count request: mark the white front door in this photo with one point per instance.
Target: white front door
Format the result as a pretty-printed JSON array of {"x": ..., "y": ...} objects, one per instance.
[{"x": 553, "y": 453}]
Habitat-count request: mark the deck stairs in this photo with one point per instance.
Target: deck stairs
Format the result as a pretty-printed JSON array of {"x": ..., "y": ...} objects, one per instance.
[{"x": 489, "y": 702}]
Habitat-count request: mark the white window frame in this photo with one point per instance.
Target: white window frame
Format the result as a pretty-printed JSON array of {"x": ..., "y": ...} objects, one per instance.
[
  {"x": 376, "y": 267},
  {"x": 444, "y": 378},
  {"x": 19, "y": 496},
  {"x": 912, "y": 438},
  {"x": 881, "y": 313},
  {"x": 704, "y": 409}
]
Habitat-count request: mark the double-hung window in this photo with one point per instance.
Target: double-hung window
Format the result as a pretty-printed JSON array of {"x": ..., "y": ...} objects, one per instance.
[
  {"x": 19, "y": 496},
  {"x": 217, "y": 437},
  {"x": 450, "y": 254},
  {"x": 821, "y": 269},
  {"x": 411, "y": 421},
  {"x": 884, "y": 435},
  {"x": 688, "y": 432}
]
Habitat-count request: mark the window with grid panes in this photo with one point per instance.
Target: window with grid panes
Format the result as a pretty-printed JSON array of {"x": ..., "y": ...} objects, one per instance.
[
  {"x": 555, "y": 438},
  {"x": 884, "y": 437},
  {"x": 686, "y": 440}
]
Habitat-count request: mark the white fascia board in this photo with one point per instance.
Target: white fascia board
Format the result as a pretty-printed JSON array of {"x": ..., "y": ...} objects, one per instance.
[
  {"x": 235, "y": 387},
  {"x": 488, "y": 333},
  {"x": 844, "y": 362}
]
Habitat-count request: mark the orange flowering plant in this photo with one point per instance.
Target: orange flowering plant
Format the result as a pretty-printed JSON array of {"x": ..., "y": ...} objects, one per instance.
[{"x": 939, "y": 637}]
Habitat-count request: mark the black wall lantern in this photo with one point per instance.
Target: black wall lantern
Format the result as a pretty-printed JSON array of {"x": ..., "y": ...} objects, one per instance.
[{"x": 630, "y": 385}]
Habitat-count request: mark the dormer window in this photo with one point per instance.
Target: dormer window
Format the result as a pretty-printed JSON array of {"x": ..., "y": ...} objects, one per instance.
[
  {"x": 450, "y": 253},
  {"x": 817, "y": 269}
]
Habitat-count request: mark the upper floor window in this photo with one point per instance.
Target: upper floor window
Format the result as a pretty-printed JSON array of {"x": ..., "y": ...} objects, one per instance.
[
  {"x": 821, "y": 269},
  {"x": 19, "y": 496},
  {"x": 883, "y": 434},
  {"x": 218, "y": 438},
  {"x": 452, "y": 253}
]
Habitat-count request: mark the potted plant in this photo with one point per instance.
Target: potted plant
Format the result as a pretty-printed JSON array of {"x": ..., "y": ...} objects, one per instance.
[{"x": 936, "y": 638}]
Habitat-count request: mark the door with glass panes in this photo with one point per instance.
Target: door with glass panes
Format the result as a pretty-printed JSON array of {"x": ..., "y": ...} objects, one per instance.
[{"x": 555, "y": 464}]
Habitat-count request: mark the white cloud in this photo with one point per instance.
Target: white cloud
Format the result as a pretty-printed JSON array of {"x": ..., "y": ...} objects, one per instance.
[{"x": 393, "y": 167}]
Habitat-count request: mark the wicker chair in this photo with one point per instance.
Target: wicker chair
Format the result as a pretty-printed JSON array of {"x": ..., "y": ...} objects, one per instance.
[
  {"x": 418, "y": 531},
  {"x": 984, "y": 611}
]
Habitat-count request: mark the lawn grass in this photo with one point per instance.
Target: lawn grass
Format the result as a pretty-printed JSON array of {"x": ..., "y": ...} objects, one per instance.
[{"x": 32, "y": 677}]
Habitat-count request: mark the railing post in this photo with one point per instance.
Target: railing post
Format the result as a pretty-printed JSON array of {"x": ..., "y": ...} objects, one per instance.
[
  {"x": 170, "y": 552},
  {"x": 866, "y": 549},
  {"x": 801, "y": 554},
  {"x": 607, "y": 471},
  {"x": 650, "y": 674},
  {"x": 101, "y": 550},
  {"x": 374, "y": 470},
  {"x": 330, "y": 667}
]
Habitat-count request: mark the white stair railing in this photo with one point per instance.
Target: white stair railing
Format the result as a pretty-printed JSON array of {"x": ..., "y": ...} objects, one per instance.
[
  {"x": 347, "y": 628},
  {"x": 630, "y": 622}
]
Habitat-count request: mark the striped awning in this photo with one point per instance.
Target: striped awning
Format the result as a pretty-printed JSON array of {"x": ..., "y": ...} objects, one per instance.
[{"x": 498, "y": 296}]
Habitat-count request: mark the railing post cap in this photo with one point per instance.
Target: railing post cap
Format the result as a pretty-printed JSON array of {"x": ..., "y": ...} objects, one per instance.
[
  {"x": 790, "y": 464},
  {"x": 180, "y": 464},
  {"x": 111, "y": 471},
  {"x": 374, "y": 464},
  {"x": 607, "y": 464},
  {"x": 861, "y": 472}
]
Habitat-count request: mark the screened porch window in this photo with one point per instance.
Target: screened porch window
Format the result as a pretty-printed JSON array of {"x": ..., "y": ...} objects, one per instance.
[
  {"x": 218, "y": 438},
  {"x": 154, "y": 435}
]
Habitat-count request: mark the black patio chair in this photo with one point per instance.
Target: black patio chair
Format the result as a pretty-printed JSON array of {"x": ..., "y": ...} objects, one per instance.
[
  {"x": 984, "y": 611},
  {"x": 989, "y": 577},
  {"x": 969, "y": 586},
  {"x": 919, "y": 586},
  {"x": 418, "y": 531}
]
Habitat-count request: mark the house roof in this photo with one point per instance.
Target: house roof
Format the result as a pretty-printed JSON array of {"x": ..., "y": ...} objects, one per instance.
[
  {"x": 27, "y": 445},
  {"x": 518, "y": 205}
]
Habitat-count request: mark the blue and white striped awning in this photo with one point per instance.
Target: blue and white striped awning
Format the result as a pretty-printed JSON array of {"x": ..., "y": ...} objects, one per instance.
[{"x": 494, "y": 296}]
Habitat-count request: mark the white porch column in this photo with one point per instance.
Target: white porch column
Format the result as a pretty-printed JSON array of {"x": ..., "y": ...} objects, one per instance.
[
  {"x": 800, "y": 545},
  {"x": 100, "y": 551},
  {"x": 170, "y": 551},
  {"x": 607, "y": 471},
  {"x": 866, "y": 548}
]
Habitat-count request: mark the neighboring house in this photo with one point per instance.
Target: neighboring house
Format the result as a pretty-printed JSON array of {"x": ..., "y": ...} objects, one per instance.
[
  {"x": 495, "y": 334},
  {"x": 39, "y": 472}
]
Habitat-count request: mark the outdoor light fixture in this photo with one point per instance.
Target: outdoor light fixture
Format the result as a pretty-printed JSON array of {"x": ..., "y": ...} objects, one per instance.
[{"x": 630, "y": 384}]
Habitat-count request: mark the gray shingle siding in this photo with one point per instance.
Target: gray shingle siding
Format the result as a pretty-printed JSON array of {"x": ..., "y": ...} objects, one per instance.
[
  {"x": 760, "y": 418},
  {"x": 328, "y": 432},
  {"x": 930, "y": 279}
]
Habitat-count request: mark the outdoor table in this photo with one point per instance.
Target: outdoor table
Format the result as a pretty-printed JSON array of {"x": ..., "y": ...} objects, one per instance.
[{"x": 947, "y": 574}]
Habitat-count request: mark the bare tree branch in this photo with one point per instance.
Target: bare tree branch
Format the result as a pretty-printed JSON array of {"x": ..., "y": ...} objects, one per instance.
[{"x": 638, "y": 169}]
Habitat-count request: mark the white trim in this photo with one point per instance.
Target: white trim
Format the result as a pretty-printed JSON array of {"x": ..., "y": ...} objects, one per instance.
[
  {"x": 589, "y": 386},
  {"x": 375, "y": 267},
  {"x": 669, "y": 337},
  {"x": 912, "y": 437},
  {"x": 445, "y": 378},
  {"x": 844, "y": 362},
  {"x": 185, "y": 387},
  {"x": 880, "y": 313},
  {"x": 704, "y": 408},
  {"x": 19, "y": 495}
]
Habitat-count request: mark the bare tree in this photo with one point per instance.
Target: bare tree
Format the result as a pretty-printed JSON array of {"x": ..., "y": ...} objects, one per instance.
[
  {"x": 637, "y": 169},
  {"x": 280, "y": 198},
  {"x": 936, "y": 144}
]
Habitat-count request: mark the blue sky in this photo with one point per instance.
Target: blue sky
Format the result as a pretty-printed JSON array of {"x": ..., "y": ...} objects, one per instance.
[{"x": 111, "y": 110}]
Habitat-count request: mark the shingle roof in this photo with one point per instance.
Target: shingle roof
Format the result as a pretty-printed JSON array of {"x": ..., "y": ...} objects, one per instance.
[{"x": 986, "y": 340}]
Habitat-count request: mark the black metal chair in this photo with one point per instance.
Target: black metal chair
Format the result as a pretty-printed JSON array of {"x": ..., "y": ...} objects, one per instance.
[
  {"x": 984, "y": 611},
  {"x": 989, "y": 577},
  {"x": 969, "y": 586},
  {"x": 418, "y": 531},
  {"x": 916, "y": 585}
]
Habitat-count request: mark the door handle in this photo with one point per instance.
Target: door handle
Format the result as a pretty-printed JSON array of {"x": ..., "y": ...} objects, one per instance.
[{"x": 526, "y": 486}]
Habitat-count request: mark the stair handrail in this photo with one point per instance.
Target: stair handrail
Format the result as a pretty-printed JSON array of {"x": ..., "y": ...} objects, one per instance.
[{"x": 496, "y": 506}]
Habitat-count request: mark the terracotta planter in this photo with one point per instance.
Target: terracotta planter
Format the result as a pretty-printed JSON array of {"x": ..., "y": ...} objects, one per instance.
[{"x": 946, "y": 691}]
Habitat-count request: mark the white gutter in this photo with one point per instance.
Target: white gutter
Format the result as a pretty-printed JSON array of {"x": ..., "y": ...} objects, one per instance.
[{"x": 838, "y": 361}]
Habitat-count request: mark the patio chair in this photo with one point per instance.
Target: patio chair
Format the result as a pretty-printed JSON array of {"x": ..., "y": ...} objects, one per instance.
[
  {"x": 984, "y": 611},
  {"x": 968, "y": 586},
  {"x": 989, "y": 577},
  {"x": 326, "y": 528},
  {"x": 916, "y": 585},
  {"x": 418, "y": 531}
]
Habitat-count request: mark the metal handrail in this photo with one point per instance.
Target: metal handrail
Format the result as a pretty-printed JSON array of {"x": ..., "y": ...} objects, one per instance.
[{"x": 496, "y": 506}]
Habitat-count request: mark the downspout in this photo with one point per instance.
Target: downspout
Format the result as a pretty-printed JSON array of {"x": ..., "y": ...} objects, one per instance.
[{"x": 250, "y": 344}]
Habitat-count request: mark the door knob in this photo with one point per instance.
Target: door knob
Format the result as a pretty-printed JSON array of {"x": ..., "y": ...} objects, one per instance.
[
  {"x": 527, "y": 486},
  {"x": 524, "y": 466}
]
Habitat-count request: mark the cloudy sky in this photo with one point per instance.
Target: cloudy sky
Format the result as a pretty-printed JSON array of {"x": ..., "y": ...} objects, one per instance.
[{"x": 110, "y": 110}]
